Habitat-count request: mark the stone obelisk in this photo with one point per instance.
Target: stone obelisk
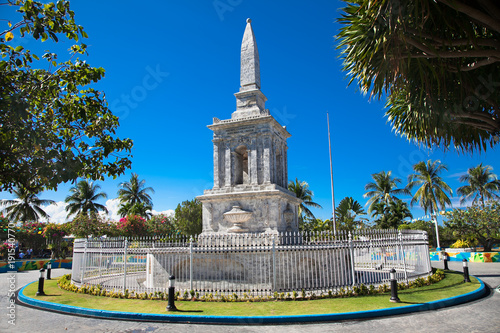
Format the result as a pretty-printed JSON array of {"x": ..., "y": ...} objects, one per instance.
[{"x": 250, "y": 161}]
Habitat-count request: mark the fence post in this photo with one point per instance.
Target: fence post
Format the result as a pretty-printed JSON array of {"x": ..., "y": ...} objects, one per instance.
[
  {"x": 100, "y": 258},
  {"x": 82, "y": 266},
  {"x": 191, "y": 263},
  {"x": 125, "y": 265},
  {"x": 351, "y": 250},
  {"x": 400, "y": 235},
  {"x": 274, "y": 262}
]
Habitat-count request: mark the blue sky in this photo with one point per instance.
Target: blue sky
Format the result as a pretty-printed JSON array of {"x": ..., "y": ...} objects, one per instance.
[{"x": 171, "y": 66}]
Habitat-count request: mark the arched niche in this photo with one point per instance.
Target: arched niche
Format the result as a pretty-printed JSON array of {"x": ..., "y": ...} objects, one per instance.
[{"x": 241, "y": 165}]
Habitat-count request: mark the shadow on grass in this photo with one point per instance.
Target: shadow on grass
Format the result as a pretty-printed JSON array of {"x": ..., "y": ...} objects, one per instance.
[
  {"x": 410, "y": 302},
  {"x": 435, "y": 286},
  {"x": 184, "y": 311}
]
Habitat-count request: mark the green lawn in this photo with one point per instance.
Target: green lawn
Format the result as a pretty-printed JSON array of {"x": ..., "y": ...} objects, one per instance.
[{"x": 451, "y": 285}]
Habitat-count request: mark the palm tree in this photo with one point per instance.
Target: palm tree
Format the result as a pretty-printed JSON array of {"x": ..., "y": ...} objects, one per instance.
[
  {"x": 26, "y": 207},
  {"x": 482, "y": 184},
  {"x": 348, "y": 214},
  {"x": 133, "y": 192},
  {"x": 391, "y": 216},
  {"x": 83, "y": 197},
  {"x": 383, "y": 189},
  {"x": 140, "y": 209},
  {"x": 432, "y": 192},
  {"x": 302, "y": 191}
]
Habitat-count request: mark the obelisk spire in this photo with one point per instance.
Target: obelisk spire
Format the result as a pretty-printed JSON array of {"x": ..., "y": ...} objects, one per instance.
[
  {"x": 250, "y": 66},
  {"x": 250, "y": 101}
]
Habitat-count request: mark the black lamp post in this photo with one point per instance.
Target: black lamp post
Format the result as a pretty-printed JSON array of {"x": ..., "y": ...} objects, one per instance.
[
  {"x": 40, "y": 283},
  {"x": 394, "y": 287},
  {"x": 171, "y": 294},
  {"x": 445, "y": 260},
  {"x": 466, "y": 271},
  {"x": 49, "y": 268}
]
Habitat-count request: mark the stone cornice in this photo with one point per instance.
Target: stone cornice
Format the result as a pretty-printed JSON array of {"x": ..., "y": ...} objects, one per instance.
[{"x": 265, "y": 118}]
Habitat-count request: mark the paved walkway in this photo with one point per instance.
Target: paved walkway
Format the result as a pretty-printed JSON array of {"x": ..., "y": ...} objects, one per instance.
[{"x": 478, "y": 316}]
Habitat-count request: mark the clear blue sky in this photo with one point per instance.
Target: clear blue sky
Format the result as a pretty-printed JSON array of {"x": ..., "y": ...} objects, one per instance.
[{"x": 193, "y": 47}]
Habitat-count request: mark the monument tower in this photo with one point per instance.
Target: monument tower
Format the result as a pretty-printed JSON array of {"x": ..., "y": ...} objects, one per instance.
[{"x": 250, "y": 162}]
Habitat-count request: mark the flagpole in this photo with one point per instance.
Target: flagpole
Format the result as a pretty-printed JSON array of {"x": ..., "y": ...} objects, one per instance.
[{"x": 331, "y": 174}]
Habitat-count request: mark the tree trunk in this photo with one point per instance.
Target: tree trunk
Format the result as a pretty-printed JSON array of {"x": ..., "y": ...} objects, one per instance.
[{"x": 488, "y": 244}]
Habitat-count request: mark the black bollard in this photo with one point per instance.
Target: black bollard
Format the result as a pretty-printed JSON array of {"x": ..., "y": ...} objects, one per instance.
[
  {"x": 394, "y": 287},
  {"x": 171, "y": 294},
  {"x": 40, "y": 283},
  {"x": 466, "y": 271},
  {"x": 445, "y": 260},
  {"x": 49, "y": 268}
]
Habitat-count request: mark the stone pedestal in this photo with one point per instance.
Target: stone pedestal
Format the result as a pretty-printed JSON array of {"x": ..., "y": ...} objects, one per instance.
[{"x": 272, "y": 209}]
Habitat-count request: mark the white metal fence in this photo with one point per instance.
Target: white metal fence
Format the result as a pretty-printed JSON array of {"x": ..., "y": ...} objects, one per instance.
[{"x": 257, "y": 264}]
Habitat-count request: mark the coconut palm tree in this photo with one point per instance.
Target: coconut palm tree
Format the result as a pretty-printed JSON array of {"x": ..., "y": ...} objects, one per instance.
[
  {"x": 432, "y": 192},
  {"x": 133, "y": 192},
  {"x": 140, "y": 209},
  {"x": 483, "y": 184},
  {"x": 348, "y": 214},
  {"x": 26, "y": 207},
  {"x": 383, "y": 189},
  {"x": 302, "y": 191},
  {"x": 83, "y": 197},
  {"x": 391, "y": 216}
]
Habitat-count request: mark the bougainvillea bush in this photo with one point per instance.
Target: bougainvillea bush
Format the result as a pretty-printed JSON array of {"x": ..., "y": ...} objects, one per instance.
[{"x": 132, "y": 226}]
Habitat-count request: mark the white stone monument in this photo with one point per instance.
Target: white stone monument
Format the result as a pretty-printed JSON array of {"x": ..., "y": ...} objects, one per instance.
[{"x": 250, "y": 192}]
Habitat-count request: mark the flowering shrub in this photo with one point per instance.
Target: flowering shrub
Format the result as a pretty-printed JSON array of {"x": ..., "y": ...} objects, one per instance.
[
  {"x": 161, "y": 224},
  {"x": 54, "y": 232},
  {"x": 4, "y": 249},
  {"x": 30, "y": 235},
  {"x": 464, "y": 243},
  {"x": 91, "y": 225},
  {"x": 132, "y": 226},
  {"x": 64, "y": 282}
]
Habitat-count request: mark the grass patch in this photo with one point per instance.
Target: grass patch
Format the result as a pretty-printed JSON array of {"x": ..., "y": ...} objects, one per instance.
[{"x": 451, "y": 285}]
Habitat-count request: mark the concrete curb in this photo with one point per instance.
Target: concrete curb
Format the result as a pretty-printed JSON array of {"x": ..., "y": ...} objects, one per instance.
[{"x": 236, "y": 320}]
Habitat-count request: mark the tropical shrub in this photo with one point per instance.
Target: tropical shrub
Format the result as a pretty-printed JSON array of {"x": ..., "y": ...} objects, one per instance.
[{"x": 132, "y": 226}]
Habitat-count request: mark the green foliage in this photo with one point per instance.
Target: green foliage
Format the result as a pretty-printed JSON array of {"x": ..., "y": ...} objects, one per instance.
[
  {"x": 383, "y": 189},
  {"x": 83, "y": 197},
  {"x": 434, "y": 60},
  {"x": 4, "y": 227},
  {"x": 391, "y": 216},
  {"x": 139, "y": 208},
  {"x": 188, "y": 217},
  {"x": 54, "y": 233},
  {"x": 64, "y": 282},
  {"x": 134, "y": 197},
  {"x": 30, "y": 236},
  {"x": 432, "y": 192},
  {"x": 302, "y": 191},
  {"x": 161, "y": 224},
  {"x": 315, "y": 225},
  {"x": 349, "y": 215},
  {"x": 91, "y": 225},
  {"x": 446, "y": 235},
  {"x": 26, "y": 206},
  {"x": 482, "y": 224},
  {"x": 55, "y": 127},
  {"x": 483, "y": 184}
]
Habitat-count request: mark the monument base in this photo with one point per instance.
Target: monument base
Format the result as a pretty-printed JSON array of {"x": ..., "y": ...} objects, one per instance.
[{"x": 272, "y": 210}]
